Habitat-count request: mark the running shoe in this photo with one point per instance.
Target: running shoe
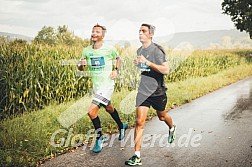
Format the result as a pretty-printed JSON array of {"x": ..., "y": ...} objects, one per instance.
[
  {"x": 172, "y": 135},
  {"x": 122, "y": 131},
  {"x": 99, "y": 143},
  {"x": 133, "y": 161}
]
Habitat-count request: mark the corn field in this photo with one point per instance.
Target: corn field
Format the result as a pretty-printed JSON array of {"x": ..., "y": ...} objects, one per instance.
[{"x": 33, "y": 76}]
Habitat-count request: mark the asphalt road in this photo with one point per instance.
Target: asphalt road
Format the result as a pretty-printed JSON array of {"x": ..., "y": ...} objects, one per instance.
[{"x": 214, "y": 130}]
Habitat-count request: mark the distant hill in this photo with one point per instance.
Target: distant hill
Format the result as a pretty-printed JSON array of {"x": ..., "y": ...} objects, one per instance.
[
  {"x": 12, "y": 36},
  {"x": 212, "y": 39},
  {"x": 198, "y": 39},
  {"x": 206, "y": 39}
]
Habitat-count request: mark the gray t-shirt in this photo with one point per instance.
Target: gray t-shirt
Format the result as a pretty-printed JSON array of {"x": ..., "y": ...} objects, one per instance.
[{"x": 152, "y": 82}]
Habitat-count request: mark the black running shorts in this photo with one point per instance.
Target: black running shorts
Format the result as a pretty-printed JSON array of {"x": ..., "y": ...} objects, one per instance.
[{"x": 157, "y": 102}]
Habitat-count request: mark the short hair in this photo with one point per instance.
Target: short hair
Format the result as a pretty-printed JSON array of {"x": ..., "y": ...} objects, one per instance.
[
  {"x": 150, "y": 27},
  {"x": 104, "y": 30}
]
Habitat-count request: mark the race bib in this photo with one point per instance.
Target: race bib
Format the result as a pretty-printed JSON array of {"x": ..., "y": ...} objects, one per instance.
[
  {"x": 97, "y": 62},
  {"x": 143, "y": 67}
]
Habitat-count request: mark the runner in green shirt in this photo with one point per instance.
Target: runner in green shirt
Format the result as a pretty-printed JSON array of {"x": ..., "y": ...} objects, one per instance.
[
  {"x": 100, "y": 64},
  {"x": 99, "y": 59}
]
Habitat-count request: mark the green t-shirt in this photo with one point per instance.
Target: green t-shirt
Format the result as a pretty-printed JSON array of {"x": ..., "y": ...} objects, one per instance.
[{"x": 100, "y": 64}]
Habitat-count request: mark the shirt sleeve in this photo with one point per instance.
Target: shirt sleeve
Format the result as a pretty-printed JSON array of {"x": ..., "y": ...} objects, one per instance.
[
  {"x": 114, "y": 53},
  {"x": 84, "y": 54},
  {"x": 160, "y": 56}
]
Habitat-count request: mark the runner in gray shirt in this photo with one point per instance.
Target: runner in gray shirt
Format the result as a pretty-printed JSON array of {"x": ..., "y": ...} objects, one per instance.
[{"x": 152, "y": 62}]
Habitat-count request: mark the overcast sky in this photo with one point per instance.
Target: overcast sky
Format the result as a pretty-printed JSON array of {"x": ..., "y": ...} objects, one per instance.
[{"x": 122, "y": 18}]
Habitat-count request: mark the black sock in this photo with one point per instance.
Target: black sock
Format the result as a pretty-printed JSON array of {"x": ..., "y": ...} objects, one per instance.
[
  {"x": 97, "y": 125},
  {"x": 116, "y": 117}
]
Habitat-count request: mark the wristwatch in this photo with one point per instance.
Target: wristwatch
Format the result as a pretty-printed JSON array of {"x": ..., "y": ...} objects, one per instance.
[{"x": 118, "y": 72}]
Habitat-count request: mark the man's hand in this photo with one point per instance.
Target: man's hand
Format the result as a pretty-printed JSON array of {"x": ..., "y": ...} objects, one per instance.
[
  {"x": 81, "y": 64},
  {"x": 83, "y": 61},
  {"x": 141, "y": 59},
  {"x": 135, "y": 62}
]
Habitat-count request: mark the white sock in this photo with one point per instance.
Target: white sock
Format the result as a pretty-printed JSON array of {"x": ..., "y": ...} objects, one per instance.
[
  {"x": 172, "y": 129},
  {"x": 137, "y": 153}
]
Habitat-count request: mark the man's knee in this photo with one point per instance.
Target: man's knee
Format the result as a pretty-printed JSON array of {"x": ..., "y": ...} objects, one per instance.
[
  {"x": 140, "y": 122},
  {"x": 109, "y": 108},
  {"x": 161, "y": 118},
  {"x": 92, "y": 114}
]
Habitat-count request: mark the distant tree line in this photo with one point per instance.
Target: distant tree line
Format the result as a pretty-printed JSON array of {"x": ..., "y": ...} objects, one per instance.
[
  {"x": 60, "y": 36},
  {"x": 51, "y": 37}
]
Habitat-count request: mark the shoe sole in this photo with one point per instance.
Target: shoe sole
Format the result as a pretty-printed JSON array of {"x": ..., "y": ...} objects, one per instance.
[
  {"x": 133, "y": 164},
  {"x": 97, "y": 151}
]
